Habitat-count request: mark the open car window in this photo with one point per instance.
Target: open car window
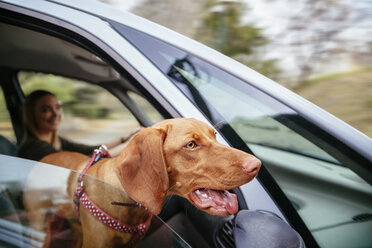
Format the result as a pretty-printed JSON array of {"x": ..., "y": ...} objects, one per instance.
[
  {"x": 99, "y": 103},
  {"x": 91, "y": 114},
  {"x": 34, "y": 201}
]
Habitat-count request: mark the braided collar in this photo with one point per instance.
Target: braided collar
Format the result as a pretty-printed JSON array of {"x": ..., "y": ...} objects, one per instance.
[{"x": 81, "y": 197}]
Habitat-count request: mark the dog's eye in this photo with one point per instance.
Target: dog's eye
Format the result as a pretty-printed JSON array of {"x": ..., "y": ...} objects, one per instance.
[{"x": 190, "y": 145}]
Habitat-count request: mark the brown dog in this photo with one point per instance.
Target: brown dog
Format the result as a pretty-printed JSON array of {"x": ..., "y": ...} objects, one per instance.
[{"x": 174, "y": 157}]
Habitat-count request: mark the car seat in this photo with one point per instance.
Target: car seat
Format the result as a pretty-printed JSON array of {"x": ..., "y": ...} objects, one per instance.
[{"x": 7, "y": 147}]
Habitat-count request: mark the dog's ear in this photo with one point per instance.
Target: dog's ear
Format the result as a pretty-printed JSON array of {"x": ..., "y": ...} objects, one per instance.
[{"x": 142, "y": 169}]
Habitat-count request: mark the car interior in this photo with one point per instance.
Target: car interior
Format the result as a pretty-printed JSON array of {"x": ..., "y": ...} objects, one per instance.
[{"x": 26, "y": 53}]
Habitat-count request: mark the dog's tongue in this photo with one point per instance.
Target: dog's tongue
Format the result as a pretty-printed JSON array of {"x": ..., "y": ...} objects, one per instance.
[{"x": 219, "y": 201}]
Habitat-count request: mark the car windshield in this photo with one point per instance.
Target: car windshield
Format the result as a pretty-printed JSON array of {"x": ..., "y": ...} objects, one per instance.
[{"x": 34, "y": 207}]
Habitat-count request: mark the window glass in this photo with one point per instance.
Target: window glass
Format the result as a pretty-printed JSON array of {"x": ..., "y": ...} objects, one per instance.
[
  {"x": 36, "y": 210},
  {"x": 91, "y": 115},
  {"x": 146, "y": 107},
  {"x": 333, "y": 201}
]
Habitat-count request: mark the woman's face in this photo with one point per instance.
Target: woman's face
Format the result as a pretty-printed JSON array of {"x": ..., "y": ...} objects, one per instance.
[{"x": 47, "y": 114}]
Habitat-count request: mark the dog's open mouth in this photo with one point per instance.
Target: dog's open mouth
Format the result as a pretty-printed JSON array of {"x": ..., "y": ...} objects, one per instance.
[{"x": 218, "y": 202}]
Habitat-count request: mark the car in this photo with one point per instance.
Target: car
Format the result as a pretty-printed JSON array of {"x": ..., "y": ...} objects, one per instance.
[{"x": 116, "y": 71}]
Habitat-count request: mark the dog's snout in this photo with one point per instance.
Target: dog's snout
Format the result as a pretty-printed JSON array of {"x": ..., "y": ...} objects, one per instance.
[{"x": 252, "y": 166}]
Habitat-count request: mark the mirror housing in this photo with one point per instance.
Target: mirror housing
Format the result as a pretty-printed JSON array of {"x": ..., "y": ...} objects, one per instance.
[{"x": 261, "y": 229}]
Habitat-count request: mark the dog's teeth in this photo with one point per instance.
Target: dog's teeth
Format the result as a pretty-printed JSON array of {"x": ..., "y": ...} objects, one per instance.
[
  {"x": 205, "y": 195},
  {"x": 197, "y": 192}
]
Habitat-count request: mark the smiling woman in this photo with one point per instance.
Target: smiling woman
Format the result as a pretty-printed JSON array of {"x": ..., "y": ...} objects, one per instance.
[
  {"x": 42, "y": 116},
  {"x": 41, "y": 119}
]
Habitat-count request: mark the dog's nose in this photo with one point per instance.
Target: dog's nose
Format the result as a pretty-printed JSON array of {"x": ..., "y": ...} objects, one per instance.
[{"x": 252, "y": 166}]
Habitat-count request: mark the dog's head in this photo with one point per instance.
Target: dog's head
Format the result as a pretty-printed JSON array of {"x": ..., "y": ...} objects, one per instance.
[{"x": 183, "y": 157}]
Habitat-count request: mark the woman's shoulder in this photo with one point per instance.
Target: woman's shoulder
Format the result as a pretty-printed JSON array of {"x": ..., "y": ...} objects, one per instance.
[
  {"x": 35, "y": 149},
  {"x": 68, "y": 145},
  {"x": 32, "y": 142}
]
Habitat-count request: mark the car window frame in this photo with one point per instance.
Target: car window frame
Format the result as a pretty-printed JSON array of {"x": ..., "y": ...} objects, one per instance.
[
  {"x": 14, "y": 97},
  {"x": 38, "y": 25}
]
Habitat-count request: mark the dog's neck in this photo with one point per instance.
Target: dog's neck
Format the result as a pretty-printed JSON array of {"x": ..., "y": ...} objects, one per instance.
[
  {"x": 107, "y": 171},
  {"x": 118, "y": 212}
]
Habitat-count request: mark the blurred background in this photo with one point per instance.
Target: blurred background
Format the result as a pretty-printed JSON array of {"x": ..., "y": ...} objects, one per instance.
[{"x": 321, "y": 49}]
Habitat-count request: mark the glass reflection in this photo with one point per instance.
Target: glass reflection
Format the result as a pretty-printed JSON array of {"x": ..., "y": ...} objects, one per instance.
[{"x": 37, "y": 211}]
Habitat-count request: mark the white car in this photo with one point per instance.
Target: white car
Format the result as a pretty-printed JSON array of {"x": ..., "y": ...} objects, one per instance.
[{"x": 317, "y": 170}]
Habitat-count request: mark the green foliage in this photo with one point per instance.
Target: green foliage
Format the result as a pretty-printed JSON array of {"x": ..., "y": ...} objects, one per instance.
[
  {"x": 4, "y": 115},
  {"x": 223, "y": 30},
  {"x": 64, "y": 88},
  {"x": 347, "y": 95},
  {"x": 90, "y": 111},
  {"x": 68, "y": 91},
  {"x": 268, "y": 67},
  {"x": 368, "y": 103}
]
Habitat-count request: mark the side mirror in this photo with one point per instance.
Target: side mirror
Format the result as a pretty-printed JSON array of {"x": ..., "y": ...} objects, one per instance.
[{"x": 261, "y": 229}]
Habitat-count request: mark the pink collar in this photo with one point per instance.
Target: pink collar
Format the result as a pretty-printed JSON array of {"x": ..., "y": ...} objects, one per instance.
[{"x": 82, "y": 197}]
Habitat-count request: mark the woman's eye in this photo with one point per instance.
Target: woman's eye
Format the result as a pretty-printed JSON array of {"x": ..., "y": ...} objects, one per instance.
[
  {"x": 44, "y": 109},
  {"x": 191, "y": 145}
]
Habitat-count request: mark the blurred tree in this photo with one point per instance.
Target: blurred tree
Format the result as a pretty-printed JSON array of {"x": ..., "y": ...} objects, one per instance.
[
  {"x": 215, "y": 24},
  {"x": 78, "y": 97},
  {"x": 222, "y": 28},
  {"x": 322, "y": 34},
  {"x": 182, "y": 15},
  {"x": 64, "y": 88}
]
